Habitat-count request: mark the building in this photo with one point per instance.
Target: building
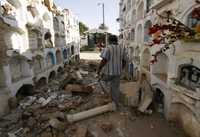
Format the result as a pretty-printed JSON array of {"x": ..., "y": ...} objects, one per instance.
[
  {"x": 37, "y": 39},
  {"x": 176, "y": 74}
]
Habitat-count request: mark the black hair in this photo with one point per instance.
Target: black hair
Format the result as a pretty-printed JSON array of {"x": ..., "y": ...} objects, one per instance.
[{"x": 113, "y": 39}]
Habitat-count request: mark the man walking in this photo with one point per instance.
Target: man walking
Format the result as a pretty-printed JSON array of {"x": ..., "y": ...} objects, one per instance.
[{"x": 113, "y": 60}]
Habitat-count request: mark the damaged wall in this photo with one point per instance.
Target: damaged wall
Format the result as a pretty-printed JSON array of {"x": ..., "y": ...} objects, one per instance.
[
  {"x": 23, "y": 27},
  {"x": 166, "y": 72}
]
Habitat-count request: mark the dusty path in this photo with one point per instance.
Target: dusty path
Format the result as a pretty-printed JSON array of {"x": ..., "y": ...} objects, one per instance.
[
  {"x": 90, "y": 55},
  {"x": 132, "y": 126}
]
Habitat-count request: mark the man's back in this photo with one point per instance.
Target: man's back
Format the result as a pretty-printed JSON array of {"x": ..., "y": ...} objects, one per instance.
[{"x": 114, "y": 54}]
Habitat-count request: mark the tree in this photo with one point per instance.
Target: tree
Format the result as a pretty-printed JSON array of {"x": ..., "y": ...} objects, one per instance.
[{"x": 83, "y": 28}]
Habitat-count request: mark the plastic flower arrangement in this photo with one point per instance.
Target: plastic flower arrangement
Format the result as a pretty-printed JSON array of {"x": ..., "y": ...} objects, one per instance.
[{"x": 170, "y": 30}]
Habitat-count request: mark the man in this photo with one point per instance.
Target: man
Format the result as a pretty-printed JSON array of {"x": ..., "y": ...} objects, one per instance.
[{"x": 113, "y": 60}]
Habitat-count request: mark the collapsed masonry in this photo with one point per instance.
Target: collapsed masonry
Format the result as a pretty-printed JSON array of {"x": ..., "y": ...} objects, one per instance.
[
  {"x": 60, "y": 108},
  {"x": 49, "y": 109}
]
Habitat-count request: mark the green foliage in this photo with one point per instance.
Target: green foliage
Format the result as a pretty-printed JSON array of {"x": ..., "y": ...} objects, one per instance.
[{"x": 83, "y": 28}]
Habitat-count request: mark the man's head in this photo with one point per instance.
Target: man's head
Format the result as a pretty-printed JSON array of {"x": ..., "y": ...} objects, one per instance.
[{"x": 112, "y": 39}]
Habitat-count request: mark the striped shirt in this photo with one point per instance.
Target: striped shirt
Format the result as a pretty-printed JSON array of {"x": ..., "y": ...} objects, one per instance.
[{"x": 114, "y": 54}]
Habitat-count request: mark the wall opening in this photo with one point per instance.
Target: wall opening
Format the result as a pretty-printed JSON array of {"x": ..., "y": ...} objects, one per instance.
[
  {"x": 58, "y": 57},
  {"x": 50, "y": 60},
  {"x": 60, "y": 70},
  {"x": 24, "y": 91},
  {"x": 159, "y": 101},
  {"x": 41, "y": 82},
  {"x": 65, "y": 54},
  {"x": 77, "y": 58},
  {"x": 189, "y": 76},
  {"x": 52, "y": 75},
  {"x": 72, "y": 50}
]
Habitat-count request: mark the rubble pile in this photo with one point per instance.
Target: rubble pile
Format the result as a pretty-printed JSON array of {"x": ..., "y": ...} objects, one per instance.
[{"x": 44, "y": 114}]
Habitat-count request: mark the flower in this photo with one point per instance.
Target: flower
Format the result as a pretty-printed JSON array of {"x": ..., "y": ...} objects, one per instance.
[
  {"x": 156, "y": 34},
  {"x": 156, "y": 41},
  {"x": 153, "y": 29}
]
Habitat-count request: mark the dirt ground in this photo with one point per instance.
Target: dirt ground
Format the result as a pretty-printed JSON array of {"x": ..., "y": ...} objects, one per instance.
[{"x": 126, "y": 124}]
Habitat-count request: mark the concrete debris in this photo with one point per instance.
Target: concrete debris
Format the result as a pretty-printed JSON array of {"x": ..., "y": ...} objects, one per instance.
[
  {"x": 120, "y": 133},
  {"x": 106, "y": 127},
  {"x": 16, "y": 133},
  {"x": 81, "y": 131},
  {"x": 93, "y": 112},
  {"x": 57, "y": 108},
  {"x": 45, "y": 102},
  {"x": 47, "y": 112},
  {"x": 75, "y": 88},
  {"x": 30, "y": 100},
  {"x": 96, "y": 131},
  {"x": 55, "y": 123},
  {"x": 79, "y": 76},
  {"x": 84, "y": 72}
]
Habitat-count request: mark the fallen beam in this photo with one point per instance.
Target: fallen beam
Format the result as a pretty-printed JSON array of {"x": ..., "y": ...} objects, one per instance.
[{"x": 92, "y": 112}]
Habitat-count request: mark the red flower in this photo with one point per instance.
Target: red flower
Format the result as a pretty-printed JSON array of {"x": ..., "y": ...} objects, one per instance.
[
  {"x": 153, "y": 61},
  {"x": 153, "y": 29},
  {"x": 196, "y": 13},
  {"x": 156, "y": 41}
]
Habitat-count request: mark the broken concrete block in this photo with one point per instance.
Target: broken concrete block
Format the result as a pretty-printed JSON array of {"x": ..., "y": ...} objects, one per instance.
[
  {"x": 96, "y": 131},
  {"x": 93, "y": 112},
  {"x": 17, "y": 133},
  {"x": 81, "y": 131},
  {"x": 55, "y": 123},
  {"x": 75, "y": 88},
  {"x": 29, "y": 101},
  {"x": 11, "y": 135},
  {"x": 44, "y": 101},
  {"x": 78, "y": 75},
  {"x": 58, "y": 115},
  {"x": 120, "y": 133},
  {"x": 106, "y": 127},
  {"x": 145, "y": 104},
  {"x": 31, "y": 122},
  {"x": 46, "y": 134},
  {"x": 84, "y": 72}
]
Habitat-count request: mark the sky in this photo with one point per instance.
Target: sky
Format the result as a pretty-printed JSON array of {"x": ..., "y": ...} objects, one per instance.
[{"x": 90, "y": 13}]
